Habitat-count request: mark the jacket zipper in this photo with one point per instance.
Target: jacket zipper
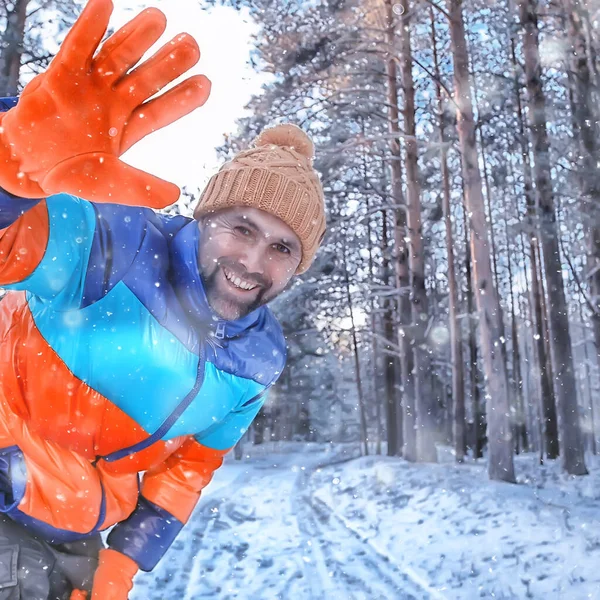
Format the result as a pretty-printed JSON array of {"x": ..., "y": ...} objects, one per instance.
[
  {"x": 220, "y": 332},
  {"x": 169, "y": 421}
]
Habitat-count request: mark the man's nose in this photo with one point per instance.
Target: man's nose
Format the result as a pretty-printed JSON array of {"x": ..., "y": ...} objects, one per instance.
[{"x": 254, "y": 261}]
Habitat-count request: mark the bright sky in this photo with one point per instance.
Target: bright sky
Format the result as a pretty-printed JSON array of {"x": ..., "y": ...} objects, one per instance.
[{"x": 184, "y": 152}]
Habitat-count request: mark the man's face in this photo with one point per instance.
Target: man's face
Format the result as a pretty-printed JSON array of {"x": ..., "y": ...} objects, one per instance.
[{"x": 247, "y": 258}]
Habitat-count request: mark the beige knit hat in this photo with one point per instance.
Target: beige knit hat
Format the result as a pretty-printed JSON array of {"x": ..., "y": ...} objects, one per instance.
[{"x": 277, "y": 176}]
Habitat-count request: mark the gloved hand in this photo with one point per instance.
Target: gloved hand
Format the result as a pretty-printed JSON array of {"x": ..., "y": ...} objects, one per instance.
[
  {"x": 114, "y": 577},
  {"x": 78, "y": 595},
  {"x": 74, "y": 120}
]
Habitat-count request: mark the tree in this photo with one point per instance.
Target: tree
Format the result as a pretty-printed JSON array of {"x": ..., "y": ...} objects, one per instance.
[
  {"x": 500, "y": 464},
  {"x": 560, "y": 339},
  {"x": 21, "y": 41}
]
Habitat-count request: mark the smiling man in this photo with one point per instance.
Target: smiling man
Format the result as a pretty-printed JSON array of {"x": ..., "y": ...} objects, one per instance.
[
  {"x": 262, "y": 220},
  {"x": 246, "y": 258},
  {"x": 136, "y": 347}
]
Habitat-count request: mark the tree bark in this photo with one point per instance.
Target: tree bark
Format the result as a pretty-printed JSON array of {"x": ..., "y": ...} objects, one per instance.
[
  {"x": 359, "y": 387},
  {"x": 457, "y": 412},
  {"x": 534, "y": 412},
  {"x": 566, "y": 389},
  {"x": 479, "y": 422},
  {"x": 490, "y": 219},
  {"x": 544, "y": 370},
  {"x": 500, "y": 462},
  {"x": 425, "y": 413},
  {"x": 401, "y": 248},
  {"x": 585, "y": 117},
  {"x": 588, "y": 380},
  {"x": 392, "y": 407},
  {"x": 374, "y": 345},
  {"x": 520, "y": 426},
  {"x": 12, "y": 48}
]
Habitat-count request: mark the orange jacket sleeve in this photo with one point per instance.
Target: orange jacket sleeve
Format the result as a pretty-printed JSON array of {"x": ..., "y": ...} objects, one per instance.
[
  {"x": 177, "y": 483},
  {"x": 58, "y": 486},
  {"x": 169, "y": 494}
]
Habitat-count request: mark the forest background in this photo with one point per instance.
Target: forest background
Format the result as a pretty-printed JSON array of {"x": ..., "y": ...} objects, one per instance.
[{"x": 456, "y": 300}]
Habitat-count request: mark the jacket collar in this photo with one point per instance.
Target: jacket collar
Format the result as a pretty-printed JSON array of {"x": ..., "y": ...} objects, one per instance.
[{"x": 189, "y": 287}]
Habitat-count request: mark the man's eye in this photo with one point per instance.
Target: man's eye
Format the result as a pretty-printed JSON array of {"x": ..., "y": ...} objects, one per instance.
[
  {"x": 281, "y": 248},
  {"x": 243, "y": 230}
]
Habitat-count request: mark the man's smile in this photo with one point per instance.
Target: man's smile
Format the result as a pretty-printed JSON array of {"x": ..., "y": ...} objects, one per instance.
[{"x": 237, "y": 282}]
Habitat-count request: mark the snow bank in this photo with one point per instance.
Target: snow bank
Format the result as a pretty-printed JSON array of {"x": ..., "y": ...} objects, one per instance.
[{"x": 467, "y": 537}]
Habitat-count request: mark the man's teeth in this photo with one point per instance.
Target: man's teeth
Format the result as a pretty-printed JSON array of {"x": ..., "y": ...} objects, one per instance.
[{"x": 244, "y": 285}]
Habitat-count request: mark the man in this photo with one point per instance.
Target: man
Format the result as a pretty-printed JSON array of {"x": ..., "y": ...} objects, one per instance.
[{"x": 131, "y": 342}]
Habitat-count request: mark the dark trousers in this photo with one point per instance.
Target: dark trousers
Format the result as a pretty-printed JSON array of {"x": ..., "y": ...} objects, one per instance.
[{"x": 32, "y": 569}]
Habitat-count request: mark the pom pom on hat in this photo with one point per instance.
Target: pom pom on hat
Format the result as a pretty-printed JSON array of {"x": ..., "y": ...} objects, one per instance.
[{"x": 287, "y": 136}]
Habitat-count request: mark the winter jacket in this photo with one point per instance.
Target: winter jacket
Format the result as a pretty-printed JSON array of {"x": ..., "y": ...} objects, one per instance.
[{"x": 113, "y": 364}]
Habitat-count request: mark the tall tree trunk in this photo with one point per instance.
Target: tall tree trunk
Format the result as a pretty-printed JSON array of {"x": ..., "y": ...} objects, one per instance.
[
  {"x": 585, "y": 117},
  {"x": 587, "y": 384},
  {"x": 490, "y": 218},
  {"x": 392, "y": 408},
  {"x": 402, "y": 251},
  {"x": 566, "y": 389},
  {"x": 500, "y": 462},
  {"x": 407, "y": 424},
  {"x": 479, "y": 421},
  {"x": 520, "y": 426},
  {"x": 359, "y": 387},
  {"x": 12, "y": 48},
  {"x": 488, "y": 187},
  {"x": 545, "y": 322},
  {"x": 533, "y": 397},
  {"x": 424, "y": 408},
  {"x": 544, "y": 370},
  {"x": 548, "y": 398},
  {"x": 373, "y": 303},
  {"x": 588, "y": 381},
  {"x": 375, "y": 343},
  {"x": 457, "y": 414}
]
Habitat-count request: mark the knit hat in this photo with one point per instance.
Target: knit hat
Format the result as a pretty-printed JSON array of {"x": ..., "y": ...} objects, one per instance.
[{"x": 276, "y": 176}]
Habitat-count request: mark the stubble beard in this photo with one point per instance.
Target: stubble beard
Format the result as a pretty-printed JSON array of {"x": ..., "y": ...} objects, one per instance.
[{"x": 225, "y": 306}]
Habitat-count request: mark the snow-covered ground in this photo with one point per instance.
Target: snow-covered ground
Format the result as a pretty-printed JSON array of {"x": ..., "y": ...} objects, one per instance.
[{"x": 280, "y": 524}]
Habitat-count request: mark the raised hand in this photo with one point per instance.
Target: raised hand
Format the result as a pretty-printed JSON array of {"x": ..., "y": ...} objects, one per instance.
[{"x": 73, "y": 122}]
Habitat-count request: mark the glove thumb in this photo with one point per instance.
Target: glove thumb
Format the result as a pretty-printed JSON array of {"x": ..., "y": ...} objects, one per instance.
[{"x": 101, "y": 177}]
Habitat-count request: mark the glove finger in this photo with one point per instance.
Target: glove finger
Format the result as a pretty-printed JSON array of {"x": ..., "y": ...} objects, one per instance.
[
  {"x": 126, "y": 47},
  {"x": 82, "y": 40},
  {"x": 171, "y": 61},
  {"x": 78, "y": 595},
  {"x": 101, "y": 177},
  {"x": 164, "y": 110}
]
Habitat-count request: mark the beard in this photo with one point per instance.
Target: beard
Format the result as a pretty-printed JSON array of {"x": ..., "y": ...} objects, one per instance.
[{"x": 224, "y": 300}]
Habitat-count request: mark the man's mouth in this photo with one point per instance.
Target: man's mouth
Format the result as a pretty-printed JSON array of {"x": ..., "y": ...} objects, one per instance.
[{"x": 238, "y": 282}]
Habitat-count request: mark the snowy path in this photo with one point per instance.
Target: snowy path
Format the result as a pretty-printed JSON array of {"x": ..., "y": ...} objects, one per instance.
[
  {"x": 257, "y": 533},
  {"x": 342, "y": 565}
]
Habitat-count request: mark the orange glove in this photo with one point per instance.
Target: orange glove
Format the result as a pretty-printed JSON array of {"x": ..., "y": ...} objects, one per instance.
[
  {"x": 114, "y": 577},
  {"x": 73, "y": 121},
  {"x": 78, "y": 595}
]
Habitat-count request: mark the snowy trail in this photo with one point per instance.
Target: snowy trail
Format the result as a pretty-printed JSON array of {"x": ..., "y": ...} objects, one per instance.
[
  {"x": 257, "y": 533},
  {"x": 343, "y": 565}
]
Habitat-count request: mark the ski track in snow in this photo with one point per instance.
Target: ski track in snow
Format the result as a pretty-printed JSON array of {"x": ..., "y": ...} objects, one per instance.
[
  {"x": 258, "y": 533},
  {"x": 343, "y": 565}
]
